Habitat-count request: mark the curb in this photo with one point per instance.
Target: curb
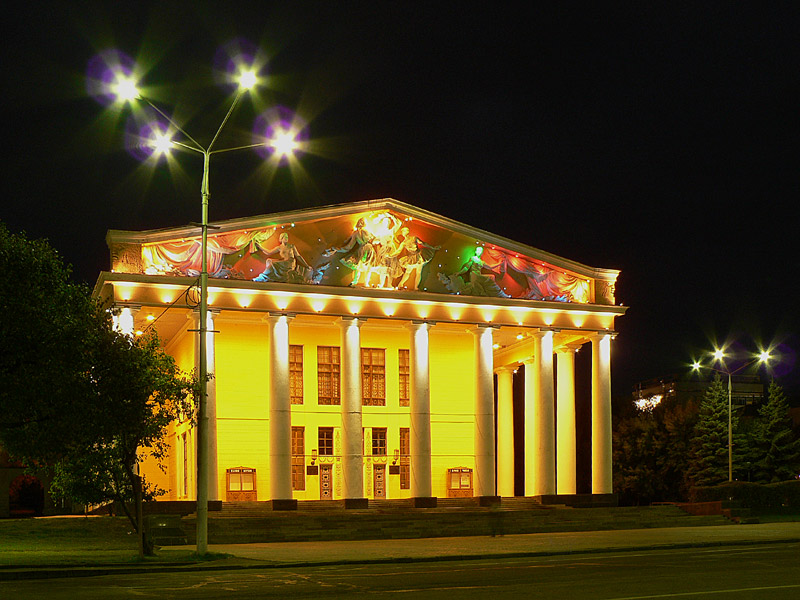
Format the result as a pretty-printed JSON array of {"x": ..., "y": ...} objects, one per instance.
[{"x": 31, "y": 572}]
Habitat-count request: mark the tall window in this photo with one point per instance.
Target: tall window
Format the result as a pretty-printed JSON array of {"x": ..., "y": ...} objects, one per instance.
[
  {"x": 405, "y": 376},
  {"x": 373, "y": 376},
  {"x": 328, "y": 374},
  {"x": 298, "y": 458},
  {"x": 325, "y": 441},
  {"x": 379, "y": 441},
  {"x": 405, "y": 458},
  {"x": 185, "y": 446},
  {"x": 296, "y": 374}
]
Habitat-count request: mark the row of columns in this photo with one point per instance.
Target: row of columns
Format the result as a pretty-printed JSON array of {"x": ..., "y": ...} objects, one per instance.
[
  {"x": 550, "y": 439},
  {"x": 550, "y": 454}
]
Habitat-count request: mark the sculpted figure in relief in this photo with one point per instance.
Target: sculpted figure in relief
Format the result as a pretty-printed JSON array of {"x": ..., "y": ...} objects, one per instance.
[{"x": 285, "y": 268}]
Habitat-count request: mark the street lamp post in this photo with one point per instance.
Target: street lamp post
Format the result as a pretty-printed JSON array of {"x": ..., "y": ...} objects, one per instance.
[
  {"x": 719, "y": 355},
  {"x": 283, "y": 143}
]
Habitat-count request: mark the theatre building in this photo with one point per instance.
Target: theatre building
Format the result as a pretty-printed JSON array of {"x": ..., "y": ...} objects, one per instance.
[{"x": 367, "y": 350}]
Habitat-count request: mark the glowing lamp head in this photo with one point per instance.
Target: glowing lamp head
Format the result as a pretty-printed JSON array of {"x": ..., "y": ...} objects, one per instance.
[
  {"x": 247, "y": 80},
  {"x": 161, "y": 143},
  {"x": 696, "y": 366},
  {"x": 764, "y": 356},
  {"x": 719, "y": 354},
  {"x": 125, "y": 89},
  {"x": 284, "y": 143}
]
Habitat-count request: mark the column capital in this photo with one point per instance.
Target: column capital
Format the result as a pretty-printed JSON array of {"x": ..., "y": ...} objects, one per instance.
[
  {"x": 568, "y": 349},
  {"x": 273, "y": 316},
  {"x": 347, "y": 321},
  {"x": 542, "y": 331},
  {"x": 415, "y": 324},
  {"x": 505, "y": 369}
]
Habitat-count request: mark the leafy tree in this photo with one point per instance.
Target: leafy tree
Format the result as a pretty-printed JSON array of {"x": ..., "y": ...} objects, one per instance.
[
  {"x": 48, "y": 329},
  {"x": 76, "y": 394},
  {"x": 651, "y": 453},
  {"x": 138, "y": 391},
  {"x": 775, "y": 451}
]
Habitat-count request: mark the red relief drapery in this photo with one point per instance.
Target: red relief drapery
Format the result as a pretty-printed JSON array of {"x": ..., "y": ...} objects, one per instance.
[
  {"x": 185, "y": 256},
  {"x": 543, "y": 282}
]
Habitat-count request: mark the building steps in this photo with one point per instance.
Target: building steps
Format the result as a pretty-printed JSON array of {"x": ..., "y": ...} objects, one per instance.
[{"x": 256, "y": 522}]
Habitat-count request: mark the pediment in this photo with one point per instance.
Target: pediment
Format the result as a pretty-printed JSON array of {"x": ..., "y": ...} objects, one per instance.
[{"x": 375, "y": 244}]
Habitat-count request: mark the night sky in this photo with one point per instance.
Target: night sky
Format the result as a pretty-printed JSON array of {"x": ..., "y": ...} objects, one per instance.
[{"x": 662, "y": 142}]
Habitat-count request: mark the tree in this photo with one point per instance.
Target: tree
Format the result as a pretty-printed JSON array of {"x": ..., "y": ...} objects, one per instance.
[
  {"x": 708, "y": 463},
  {"x": 775, "y": 450},
  {"x": 48, "y": 328},
  {"x": 78, "y": 395},
  {"x": 138, "y": 391}
]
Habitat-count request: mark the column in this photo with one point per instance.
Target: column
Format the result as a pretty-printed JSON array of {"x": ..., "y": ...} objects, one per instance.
[
  {"x": 352, "y": 433},
  {"x": 565, "y": 418},
  {"x": 544, "y": 415},
  {"x": 124, "y": 321},
  {"x": 505, "y": 432},
  {"x": 211, "y": 397},
  {"x": 419, "y": 355},
  {"x": 530, "y": 421},
  {"x": 280, "y": 413},
  {"x": 601, "y": 414},
  {"x": 484, "y": 484}
]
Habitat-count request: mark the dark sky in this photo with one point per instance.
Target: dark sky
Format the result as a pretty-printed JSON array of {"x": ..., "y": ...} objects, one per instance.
[{"x": 659, "y": 141}]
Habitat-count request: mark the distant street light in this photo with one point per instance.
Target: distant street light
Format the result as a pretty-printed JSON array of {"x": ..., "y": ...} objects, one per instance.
[
  {"x": 283, "y": 142},
  {"x": 719, "y": 356}
]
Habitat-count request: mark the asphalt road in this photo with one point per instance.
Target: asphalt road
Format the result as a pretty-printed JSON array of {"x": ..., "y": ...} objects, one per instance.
[{"x": 759, "y": 571}]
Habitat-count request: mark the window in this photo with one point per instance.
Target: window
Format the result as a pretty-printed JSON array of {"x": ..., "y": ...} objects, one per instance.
[
  {"x": 328, "y": 375},
  {"x": 379, "y": 441},
  {"x": 404, "y": 377},
  {"x": 405, "y": 459},
  {"x": 373, "y": 377},
  {"x": 185, "y": 477},
  {"x": 298, "y": 458},
  {"x": 296, "y": 374},
  {"x": 241, "y": 480},
  {"x": 325, "y": 445}
]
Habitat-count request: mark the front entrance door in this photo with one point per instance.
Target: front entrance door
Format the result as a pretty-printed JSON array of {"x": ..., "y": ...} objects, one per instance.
[
  {"x": 326, "y": 482},
  {"x": 379, "y": 480}
]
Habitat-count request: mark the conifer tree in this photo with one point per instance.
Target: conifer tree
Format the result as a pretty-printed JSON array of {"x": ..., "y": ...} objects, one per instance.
[
  {"x": 708, "y": 462},
  {"x": 775, "y": 448}
]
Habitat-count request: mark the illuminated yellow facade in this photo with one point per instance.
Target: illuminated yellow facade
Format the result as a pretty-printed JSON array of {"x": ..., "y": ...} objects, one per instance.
[{"x": 354, "y": 351}]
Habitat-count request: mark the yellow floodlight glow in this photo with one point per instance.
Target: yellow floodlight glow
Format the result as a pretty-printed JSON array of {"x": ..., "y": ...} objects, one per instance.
[
  {"x": 150, "y": 318},
  {"x": 244, "y": 299},
  {"x": 389, "y": 306},
  {"x": 318, "y": 304},
  {"x": 167, "y": 296}
]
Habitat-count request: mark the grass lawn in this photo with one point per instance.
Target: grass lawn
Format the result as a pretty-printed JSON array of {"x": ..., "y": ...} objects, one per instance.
[{"x": 75, "y": 541}]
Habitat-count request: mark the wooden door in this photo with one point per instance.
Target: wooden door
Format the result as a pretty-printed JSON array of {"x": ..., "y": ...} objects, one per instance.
[
  {"x": 326, "y": 482},
  {"x": 379, "y": 480}
]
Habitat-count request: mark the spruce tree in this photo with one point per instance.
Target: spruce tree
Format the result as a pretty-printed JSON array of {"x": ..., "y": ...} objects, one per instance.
[
  {"x": 708, "y": 462},
  {"x": 776, "y": 450}
]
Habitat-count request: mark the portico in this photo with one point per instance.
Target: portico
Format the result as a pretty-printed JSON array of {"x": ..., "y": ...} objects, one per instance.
[{"x": 369, "y": 390}]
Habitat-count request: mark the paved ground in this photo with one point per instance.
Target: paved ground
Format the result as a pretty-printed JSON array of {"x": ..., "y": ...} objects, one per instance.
[{"x": 300, "y": 554}]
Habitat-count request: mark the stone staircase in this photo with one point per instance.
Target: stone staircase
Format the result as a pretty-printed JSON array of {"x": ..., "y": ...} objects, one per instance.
[{"x": 387, "y": 519}]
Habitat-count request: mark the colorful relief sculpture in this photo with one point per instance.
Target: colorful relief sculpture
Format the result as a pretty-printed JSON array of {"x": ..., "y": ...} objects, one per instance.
[
  {"x": 417, "y": 255},
  {"x": 184, "y": 257},
  {"x": 470, "y": 280},
  {"x": 380, "y": 250},
  {"x": 358, "y": 253},
  {"x": 291, "y": 267}
]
